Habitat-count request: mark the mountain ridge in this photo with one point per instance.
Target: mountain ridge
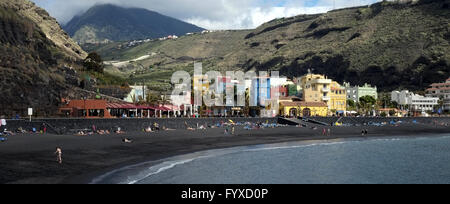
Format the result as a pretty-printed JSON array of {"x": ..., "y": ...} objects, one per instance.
[
  {"x": 388, "y": 44},
  {"x": 110, "y": 23}
]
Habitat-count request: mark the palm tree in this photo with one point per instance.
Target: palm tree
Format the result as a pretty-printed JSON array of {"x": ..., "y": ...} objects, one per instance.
[
  {"x": 164, "y": 100},
  {"x": 152, "y": 99},
  {"x": 247, "y": 103},
  {"x": 134, "y": 99}
]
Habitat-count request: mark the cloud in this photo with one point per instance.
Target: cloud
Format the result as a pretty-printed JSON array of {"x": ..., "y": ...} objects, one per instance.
[{"x": 210, "y": 14}]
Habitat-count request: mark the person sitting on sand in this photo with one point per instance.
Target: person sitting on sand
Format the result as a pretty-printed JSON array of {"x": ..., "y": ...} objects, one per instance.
[
  {"x": 156, "y": 126},
  {"x": 127, "y": 140},
  {"x": 119, "y": 131},
  {"x": 21, "y": 130},
  {"x": 148, "y": 129},
  {"x": 167, "y": 129},
  {"x": 58, "y": 154},
  {"x": 7, "y": 132},
  {"x": 187, "y": 127}
]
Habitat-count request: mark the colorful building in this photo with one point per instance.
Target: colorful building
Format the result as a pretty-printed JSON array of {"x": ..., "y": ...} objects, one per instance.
[
  {"x": 338, "y": 99},
  {"x": 261, "y": 89},
  {"x": 85, "y": 109},
  {"x": 356, "y": 92},
  {"x": 318, "y": 88},
  {"x": 303, "y": 109}
]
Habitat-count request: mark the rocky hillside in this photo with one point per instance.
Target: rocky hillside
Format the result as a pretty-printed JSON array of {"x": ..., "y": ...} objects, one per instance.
[
  {"x": 47, "y": 24},
  {"x": 38, "y": 61},
  {"x": 106, "y": 23},
  {"x": 390, "y": 45}
]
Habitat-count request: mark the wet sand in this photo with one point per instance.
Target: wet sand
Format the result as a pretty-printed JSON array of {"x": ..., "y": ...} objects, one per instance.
[{"x": 29, "y": 158}]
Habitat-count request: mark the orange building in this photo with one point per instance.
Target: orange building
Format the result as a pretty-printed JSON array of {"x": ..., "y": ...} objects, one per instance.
[{"x": 85, "y": 109}]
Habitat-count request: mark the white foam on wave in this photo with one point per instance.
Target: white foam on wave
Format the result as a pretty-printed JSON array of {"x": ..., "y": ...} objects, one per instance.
[
  {"x": 293, "y": 146},
  {"x": 161, "y": 168}
]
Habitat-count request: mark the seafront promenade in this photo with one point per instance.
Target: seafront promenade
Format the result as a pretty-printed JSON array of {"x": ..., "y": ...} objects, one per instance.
[{"x": 67, "y": 126}]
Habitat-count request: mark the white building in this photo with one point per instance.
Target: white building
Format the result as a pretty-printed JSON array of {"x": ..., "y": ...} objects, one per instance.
[
  {"x": 414, "y": 102},
  {"x": 136, "y": 93},
  {"x": 442, "y": 91}
]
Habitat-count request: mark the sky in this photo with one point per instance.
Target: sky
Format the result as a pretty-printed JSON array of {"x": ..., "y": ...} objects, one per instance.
[{"x": 209, "y": 14}]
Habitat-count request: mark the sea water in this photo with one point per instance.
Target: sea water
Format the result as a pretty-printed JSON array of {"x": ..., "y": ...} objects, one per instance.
[{"x": 401, "y": 160}]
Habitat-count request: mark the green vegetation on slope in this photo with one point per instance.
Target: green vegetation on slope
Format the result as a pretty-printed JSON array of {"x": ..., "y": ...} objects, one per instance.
[{"x": 390, "y": 45}]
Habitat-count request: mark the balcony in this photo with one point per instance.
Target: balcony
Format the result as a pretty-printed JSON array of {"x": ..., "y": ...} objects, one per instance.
[
  {"x": 326, "y": 98},
  {"x": 321, "y": 81},
  {"x": 326, "y": 90}
]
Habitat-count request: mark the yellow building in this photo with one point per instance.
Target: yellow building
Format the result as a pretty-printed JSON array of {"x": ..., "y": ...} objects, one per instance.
[
  {"x": 318, "y": 88},
  {"x": 338, "y": 98},
  {"x": 303, "y": 109},
  {"x": 200, "y": 83}
]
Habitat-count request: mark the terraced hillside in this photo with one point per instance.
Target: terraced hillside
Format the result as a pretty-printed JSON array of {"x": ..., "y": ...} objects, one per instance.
[{"x": 390, "y": 45}]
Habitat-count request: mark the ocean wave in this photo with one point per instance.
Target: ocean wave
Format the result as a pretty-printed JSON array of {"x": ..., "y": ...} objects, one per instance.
[
  {"x": 148, "y": 169},
  {"x": 161, "y": 168}
]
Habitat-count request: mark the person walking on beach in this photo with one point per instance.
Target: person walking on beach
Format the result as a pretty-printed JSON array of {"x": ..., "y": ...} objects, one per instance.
[
  {"x": 44, "y": 128},
  {"x": 324, "y": 132},
  {"x": 329, "y": 132},
  {"x": 58, "y": 154}
]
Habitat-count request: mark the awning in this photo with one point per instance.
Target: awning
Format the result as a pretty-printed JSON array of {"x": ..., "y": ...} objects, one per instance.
[{"x": 128, "y": 106}]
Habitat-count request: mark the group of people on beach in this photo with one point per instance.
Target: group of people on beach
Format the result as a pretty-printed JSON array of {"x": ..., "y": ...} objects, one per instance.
[
  {"x": 94, "y": 131},
  {"x": 326, "y": 132}
]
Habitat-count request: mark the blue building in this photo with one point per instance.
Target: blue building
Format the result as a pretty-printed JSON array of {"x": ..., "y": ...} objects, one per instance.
[{"x": 260, "y": 90}]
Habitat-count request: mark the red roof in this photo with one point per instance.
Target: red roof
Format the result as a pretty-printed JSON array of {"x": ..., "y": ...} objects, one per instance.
[
  {"x": 304, "y": 104},
  {"x": 435, "y": 89},
  {"x": 128, "y": 106}
]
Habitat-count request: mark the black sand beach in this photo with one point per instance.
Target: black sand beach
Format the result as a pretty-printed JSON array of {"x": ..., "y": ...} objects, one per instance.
[{"x": 29, "y": 158}]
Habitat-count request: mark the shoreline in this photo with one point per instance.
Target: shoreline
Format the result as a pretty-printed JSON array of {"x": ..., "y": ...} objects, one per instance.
[
  {"x": 103, "y": 177},
  {"x": 29, "y": 158}
]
